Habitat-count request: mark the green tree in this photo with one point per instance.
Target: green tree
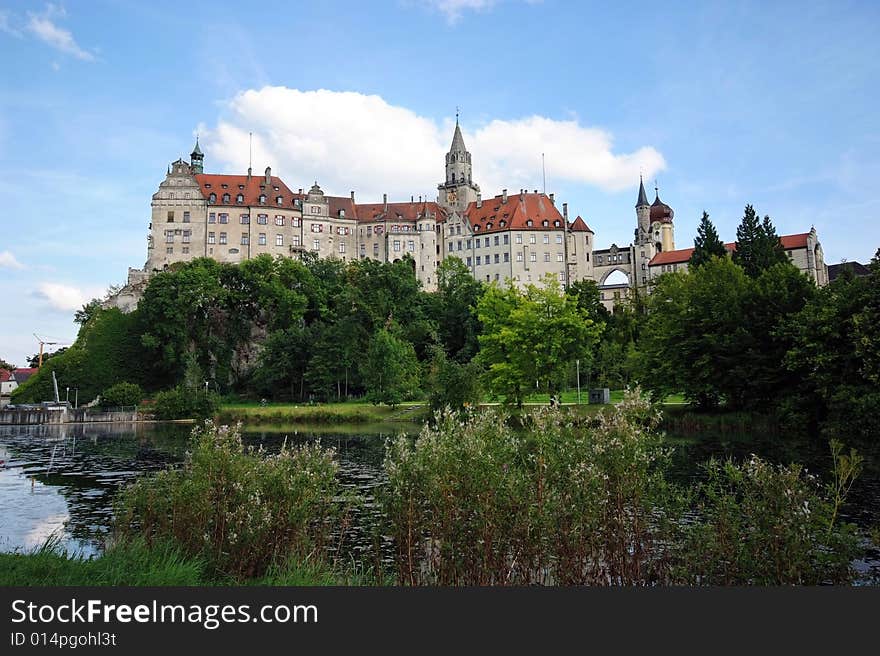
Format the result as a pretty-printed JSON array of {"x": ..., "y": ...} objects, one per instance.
[
  {"x": 757, "y": 244},
  {"x": 7, "y": 366},
  {"x": 87, "y": 311},
  {"x": 452, "y": 384},
  {"x": 586, "y": 294},
  {"x": 390, "y": 370},
  {"x": 531, "y": 338},
  {"x": 121, "y": 394},
  {"x": 454, "y": 309},
  {"x": 707, "y": 244}
]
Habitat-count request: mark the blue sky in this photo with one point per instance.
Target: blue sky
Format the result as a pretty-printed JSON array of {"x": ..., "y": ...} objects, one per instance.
[{"x": 773, "y": 104}]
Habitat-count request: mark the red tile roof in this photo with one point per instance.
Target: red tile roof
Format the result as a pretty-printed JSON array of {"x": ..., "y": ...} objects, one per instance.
[
  {"x": 579, "y": 225},
  {"x": 514, "y": 214},
  {"x": 789, "y": 242},
  {"x": 251, "y": 188},
  {"x": 23, "y": 374},
  {"x": 4, "y": 375},
  {"x": 398, "y": 211}
]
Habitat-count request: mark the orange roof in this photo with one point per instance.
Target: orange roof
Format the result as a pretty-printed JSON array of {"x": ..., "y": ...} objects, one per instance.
[
  {"x": 789, "y": 242},
  {"x": 579, "y": 225},
  {"x": 4, "y": 375},
  {"x": 515, "y": 214},
  {"x": 398, "y": 211},
  {"x": 250, "y": 187}
]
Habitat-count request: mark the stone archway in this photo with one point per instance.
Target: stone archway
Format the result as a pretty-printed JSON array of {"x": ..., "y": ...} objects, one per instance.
[{"x": 624, "y": 271}]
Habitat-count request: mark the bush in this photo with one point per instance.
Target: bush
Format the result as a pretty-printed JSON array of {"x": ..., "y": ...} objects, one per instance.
[
  {"x": 121, "y": 394},
  {"x": 476, "y": 502},
  {"x": 183, "y": 403},
  {"x": 760, "y": 524},
  {"x": 239, "y": 510}
]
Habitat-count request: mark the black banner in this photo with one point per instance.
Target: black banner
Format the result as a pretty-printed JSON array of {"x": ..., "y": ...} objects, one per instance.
[{"x": 333, "y": 620}]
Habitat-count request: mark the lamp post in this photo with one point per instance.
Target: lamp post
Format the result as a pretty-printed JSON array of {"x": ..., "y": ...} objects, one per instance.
[
  {"x": 76, "y": 397},
  {"x": 206, "y": 388},
  {"x": 67, "y": 395}
]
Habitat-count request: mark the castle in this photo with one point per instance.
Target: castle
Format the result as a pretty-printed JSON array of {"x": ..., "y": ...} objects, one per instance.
[{"x": 512, "y": 236}]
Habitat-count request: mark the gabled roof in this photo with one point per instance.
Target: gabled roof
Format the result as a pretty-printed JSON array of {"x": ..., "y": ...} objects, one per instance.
[
  {"x": 5, "y": 374},
  {"x": 494, "y": 215},
  {"x": 857, "y": 269},
  {"x": 789, "y": 242},
  {"x": 21, "y": 375},
  {"x": 579, "y": 225},
  {"x": 398, "y": 211},
  {"x": 251, "y": 188}
]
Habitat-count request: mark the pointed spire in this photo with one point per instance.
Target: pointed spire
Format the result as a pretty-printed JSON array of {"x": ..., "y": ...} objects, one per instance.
[
  {"x": 197, "y": 150},
  {"x": 457, "y": 139},
  {"x": 643, "y": 197}
]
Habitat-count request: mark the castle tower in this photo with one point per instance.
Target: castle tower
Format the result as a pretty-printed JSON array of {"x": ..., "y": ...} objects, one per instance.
[
  {"x": 458, "y": 190},
  {"x": 197, "y": 159},
  {"x": 643, "y": 215}
]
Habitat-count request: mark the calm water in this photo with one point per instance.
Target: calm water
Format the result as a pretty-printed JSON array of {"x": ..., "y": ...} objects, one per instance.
[{"x": 61, "y": 480}]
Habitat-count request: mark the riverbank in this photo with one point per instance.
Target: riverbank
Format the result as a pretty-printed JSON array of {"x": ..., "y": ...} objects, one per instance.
[
  {"x": 329, "y": 413},
  {"x": 161, "y": 565}
]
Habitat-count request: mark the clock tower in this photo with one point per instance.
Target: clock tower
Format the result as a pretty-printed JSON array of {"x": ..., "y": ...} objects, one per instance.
[{"x": 458, "y": 190}]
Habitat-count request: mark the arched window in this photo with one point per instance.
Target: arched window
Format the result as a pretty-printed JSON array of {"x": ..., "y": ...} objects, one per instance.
[
  {"x": 226, "y": 198},
  {"x": 212, "y": 198},
  {"x": 262, "y": 199},
  {"x": 279, "y": 200},
  {"x": 239, "y": 199}
]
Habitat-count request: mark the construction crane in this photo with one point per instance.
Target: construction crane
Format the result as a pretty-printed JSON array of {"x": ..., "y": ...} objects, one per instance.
[{"x": 42, "y": 344}]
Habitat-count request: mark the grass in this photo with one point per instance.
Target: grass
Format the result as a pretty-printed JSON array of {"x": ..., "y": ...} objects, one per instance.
[
  {"x": 135, "y": 564},
  {"x": 330, "y": 413}
]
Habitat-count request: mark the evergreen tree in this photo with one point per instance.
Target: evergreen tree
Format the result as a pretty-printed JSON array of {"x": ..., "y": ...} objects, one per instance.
[
  {"x": 707, "y": 244},
  {"x": 757, "y": 244}
]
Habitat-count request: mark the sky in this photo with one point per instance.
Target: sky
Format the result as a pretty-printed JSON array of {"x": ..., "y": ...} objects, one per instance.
[{"x": 718, "y": 104}]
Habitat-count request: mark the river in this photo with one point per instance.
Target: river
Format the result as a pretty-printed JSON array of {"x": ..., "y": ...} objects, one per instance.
[{"x": 60, "y": 480}]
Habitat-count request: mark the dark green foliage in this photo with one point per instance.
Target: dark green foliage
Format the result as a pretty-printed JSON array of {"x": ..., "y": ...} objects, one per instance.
[
  {"x": 586, "y": 293},
  {"x": 121, "y": 394},
  {"x": 184, "y": 403},
  {"x": 107, "y": 351},
  {"x": 6, "y": 365},
  {"x": 757, "y": 244},
  {"x": 34, "y": 360},
  {"x": 390, "y": 369},
  {"x": 452, "y": 384},
  {"x": 707, "y": 244},
  {"x": 454, "y": 306}
]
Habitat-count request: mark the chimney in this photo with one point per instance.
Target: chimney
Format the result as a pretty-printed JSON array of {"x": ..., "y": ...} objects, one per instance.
[
  {"x": 504, "y": 195},
  {"x": 565, "y": 211},
  {"x": 479, "y": 200},
  {"x": 352, "y": 196},
  {"x": 553, "y": 198},
  {"x": 412, "y": 199},
  {"x": 268, "y": 175},
  {"x": 385, "y": 201}
]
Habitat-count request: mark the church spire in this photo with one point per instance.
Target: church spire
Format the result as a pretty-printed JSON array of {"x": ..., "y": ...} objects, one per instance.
[
  {"x": 643, "y": 197},
  {"x": 457, "y": 139},
  {"x": 197, "y": 158}
]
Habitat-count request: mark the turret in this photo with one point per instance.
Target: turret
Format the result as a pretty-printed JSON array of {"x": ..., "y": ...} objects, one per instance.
[
  {"x": 197, "y": 159},
  {"x": 643, "y": 214},
  {"x": 458, "y": 190}
]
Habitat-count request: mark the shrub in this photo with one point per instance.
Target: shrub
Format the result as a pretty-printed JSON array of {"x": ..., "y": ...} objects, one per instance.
[
  {"x": 239, "y": 510},
  {"x": 182, "y": 403},
  {"x": 121, "y": 394},
  {"x": 476, "y": 502},
  {"x": 760, "y": 524}
]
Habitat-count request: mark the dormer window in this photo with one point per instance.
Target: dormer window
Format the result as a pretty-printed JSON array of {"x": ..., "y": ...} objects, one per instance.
[
  {"x": 556, "y": 223},
  {"x": 262, "y": 199},
  {"x": 502, "y": 223},
  {"x": 488, "y": 226},
  {"x": 225, "y": 186},
  {"x": 275, "y": 187},
  {"x": 278, "y": 199},
  {"x": 207, "y": 185},
  {"x": 241, "y": 186},
  {"x": 341, "y": 214},
  {"x": 476, "y": 228},
  {"x": 529, "y": 223},
  {"x": 239, "y": 199},
  {"x": 545, "y": 223},
  {"x": 226, "y": 198},
  {"x": 212, "y": 198}
]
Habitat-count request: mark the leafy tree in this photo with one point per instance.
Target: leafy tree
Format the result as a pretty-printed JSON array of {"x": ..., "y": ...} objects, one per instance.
[
  {"x": 531, "y": 337},
  {"x": 707, "y": 244},
  {"x": 87, "y": 311},
  {"x": 452, "y": 384},
  {"x": 390, "y": 370},
  {"x": 7, "y": 366},
  {"x": 34, "y": 360},
  {"x": 586, "y": 294},
  {"x": 757, "y": 244},
  {"x": 121, "y": 394},
  {"x": 454, "y": 309},
  {"x": 183, "y": 403}
]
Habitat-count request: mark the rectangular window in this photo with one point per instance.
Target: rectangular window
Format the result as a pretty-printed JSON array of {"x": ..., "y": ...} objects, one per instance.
[
  {"x": 222, "y": 237},
  {"x": 342, "y": 247},
  {"x": 171, "y": 217},
  {"x": 506, "y": 239},
  {"x": 411, "y": 246},
  {"x": 211, "y": 238},
  {"x": 519, "y": 257},
  {"x": 261, "y": 240},
  {"x": 224, "y": 218},
  {"x": 279, "y": 220},
  {"x": 294, "y": 221},
  {"x": 533, "y": 257},
  {"x": 186, "y": 250},
  {"x": 363, "y": 249},
  {"x": 245, "y": 239},
  {"x": 296, "y": 240},
  {"x": 468, "y": 244},
  {"x": 477, "y": 242},
  {"x": 369, "y": 231},
  {"x": 169, "y": 236},
  {"x": 459, "y": 244},
  {"x": 279, "y": 240},
  {"x": 559, "y": 257},
  {"x": 506, "y": 256},
  {"x": 486, "y": 243},
  {"x": 558, "y": 239},
  {"x": 375, "y": 250},
  {"x": 169, "y": 250},
  {"x": 396, "y": 246},
  {"x": 479, "y": 260},
  {"x": 496, "y": 240},
  {"x": 186, "y": 235},
  {"x": 212, "y": 217},
  {"x": 531, "y": 239},
  {"x": 546, "y": 257},
  {"x": 244, "y": 219},
  {"x": 470, "y": 261},
  {"x": 316, "y": 209},
  {"x": 186, "y": 217},
  {"x": 316, "y": 245},
  {"x": 496, "y": 258},
  {"x": 546, "y": 239},
  {"x": 518, "y": 239},
  {"x": 451, "y": 247}
]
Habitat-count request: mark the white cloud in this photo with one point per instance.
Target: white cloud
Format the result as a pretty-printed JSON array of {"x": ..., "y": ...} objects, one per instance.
[
  {"x": 66, "y": 298},
  {"x": 348, "y": 140},
  {"x": 453, "y": 9},
  {"x": 8, "y": 261},
  {"x": 6, "y": 24},
  {"x": 44, "y": 28}
]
